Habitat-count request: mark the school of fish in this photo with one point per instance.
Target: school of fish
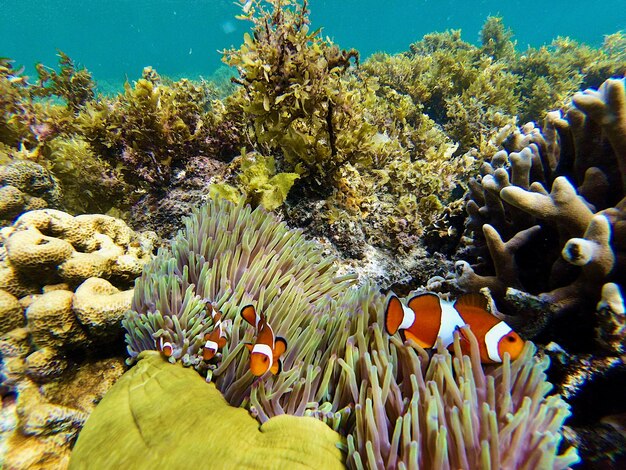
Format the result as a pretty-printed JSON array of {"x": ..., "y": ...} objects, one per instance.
[{"x": 424, "y": 319}]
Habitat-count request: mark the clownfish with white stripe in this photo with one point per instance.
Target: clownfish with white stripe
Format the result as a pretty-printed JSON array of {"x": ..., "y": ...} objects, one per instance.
[
  {"x": 266, "y": 351},
  {"x": 216, "y": 339},
  {"x": 165, "y": 347},
  {"x": 427, "y": 317}
]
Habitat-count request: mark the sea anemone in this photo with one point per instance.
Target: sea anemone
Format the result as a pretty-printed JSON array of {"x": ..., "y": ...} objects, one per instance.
[{"x": 397, "y": 406}]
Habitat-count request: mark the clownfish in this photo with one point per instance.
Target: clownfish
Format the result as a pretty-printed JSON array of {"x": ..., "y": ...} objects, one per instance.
[
  {"x": 216, "y": 339},
  {"x": 266, "y": 351},
  {"x": 427, "y": 317},
  {"x": 166, "y": 347}
]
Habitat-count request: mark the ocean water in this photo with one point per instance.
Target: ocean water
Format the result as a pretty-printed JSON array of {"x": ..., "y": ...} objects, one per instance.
[{"x": 117, "y": 38}]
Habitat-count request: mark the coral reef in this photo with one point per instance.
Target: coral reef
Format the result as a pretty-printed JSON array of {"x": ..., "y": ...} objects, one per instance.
[
  {"x": 371, "y": 158},
  {"x": 40, "y": 426},
  {"x": 56, "y": 319},
  {"x": 105, "y": 152},
  {"x": 24, "y": 186},
  {"x": 340, "y": 367},
  {"x": 578, "y": 231}
]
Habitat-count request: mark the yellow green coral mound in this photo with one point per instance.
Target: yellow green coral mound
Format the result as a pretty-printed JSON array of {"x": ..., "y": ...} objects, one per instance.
[{"x": 161, "y": 415}]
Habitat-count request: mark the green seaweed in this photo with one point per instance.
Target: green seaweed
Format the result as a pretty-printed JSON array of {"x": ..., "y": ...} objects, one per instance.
[
  {"x": 258, "y": 180},
  {"x": 293, "y": 93}
]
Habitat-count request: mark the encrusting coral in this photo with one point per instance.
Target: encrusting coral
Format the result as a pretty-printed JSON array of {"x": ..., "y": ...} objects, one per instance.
[{"x": 339, "y": 366}]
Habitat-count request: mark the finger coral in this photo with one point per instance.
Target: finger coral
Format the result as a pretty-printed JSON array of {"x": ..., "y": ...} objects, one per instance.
[
  {"x": 339, "y": 366},
  {"x": 551, "y": 192}
]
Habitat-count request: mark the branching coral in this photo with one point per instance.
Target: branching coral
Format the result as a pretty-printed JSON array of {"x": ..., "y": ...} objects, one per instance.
[
  {"x": 339, "y": 366},
  {"x": 578, "y": 225}
]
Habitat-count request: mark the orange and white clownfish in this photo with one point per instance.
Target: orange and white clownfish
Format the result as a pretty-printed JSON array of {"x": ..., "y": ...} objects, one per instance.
[
  {"x": 427, "y": 317},
  {"x": 266, "y": 351},
  {"x": 165, "y": 347},
  {"x": 216, "y": 339}
]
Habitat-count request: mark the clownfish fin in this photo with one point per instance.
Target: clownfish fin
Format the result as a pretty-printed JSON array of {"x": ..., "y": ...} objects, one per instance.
[
  {"x": 217, "y": 317},
  {"x": 221, "y": 342},
  {"x": 280, "y": 346},
  {"x": 249, "y": 346},
  {"x": 403, "y": 336},
  {"x": 249, "y": 315},
  {"x": 471, "y": 301},
  {"x": 394, "y": 314},
  {"x": 277, "y": 367},
  {"x": 408, "y": 335},
  {"x": 427, "y": 319}
]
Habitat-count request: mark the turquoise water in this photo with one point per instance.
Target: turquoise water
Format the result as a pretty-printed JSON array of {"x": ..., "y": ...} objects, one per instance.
[{"x": 117, "y": 38}]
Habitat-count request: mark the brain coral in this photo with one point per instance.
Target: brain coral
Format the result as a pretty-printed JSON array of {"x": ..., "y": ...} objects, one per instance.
[
  {"x": 388, "y": 398},
  {"x": 54, "y": 320}
]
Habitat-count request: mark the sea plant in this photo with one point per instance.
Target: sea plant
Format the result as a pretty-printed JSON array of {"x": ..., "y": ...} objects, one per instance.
[
  {"x": 74, "y": 86},
  {"x": 292, "y": 90},
  {"x": 259, "y": 181},
  {"x": 150, "y": 128}
]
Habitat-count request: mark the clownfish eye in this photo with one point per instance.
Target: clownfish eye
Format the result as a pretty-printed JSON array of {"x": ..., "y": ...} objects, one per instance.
[
  {"x": 264, "y": 358},
  {"x": 511, "y": 339}
]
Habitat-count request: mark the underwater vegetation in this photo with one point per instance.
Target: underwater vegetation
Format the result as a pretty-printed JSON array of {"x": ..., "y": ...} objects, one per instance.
[
  {"x": 376, "y": 152},
  {"x": 394, "y": 405}
]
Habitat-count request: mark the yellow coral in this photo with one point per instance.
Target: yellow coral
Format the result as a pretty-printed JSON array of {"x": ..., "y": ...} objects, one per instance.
[
  {"x": 52, "y": 321},
  {"x": 100, "y": 307},
  {"x": 11, "y": 315},
  {"x": 30, "y": 249}
]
